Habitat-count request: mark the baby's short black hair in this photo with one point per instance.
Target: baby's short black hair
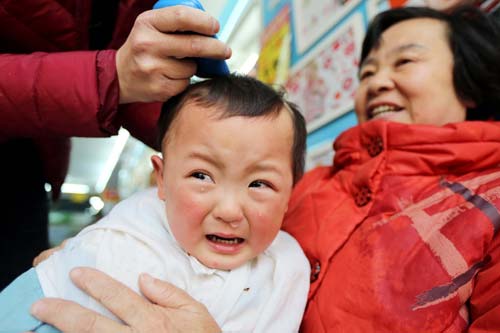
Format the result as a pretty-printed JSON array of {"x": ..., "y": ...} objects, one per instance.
[{"x": 238, "y": 95}]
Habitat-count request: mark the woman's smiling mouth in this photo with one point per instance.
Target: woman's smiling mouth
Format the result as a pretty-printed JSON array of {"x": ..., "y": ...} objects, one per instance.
[{"x": 381, "y": 109}]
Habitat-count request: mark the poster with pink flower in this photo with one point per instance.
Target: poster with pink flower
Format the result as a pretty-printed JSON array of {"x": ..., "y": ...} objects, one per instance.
[
  {"x": 323, "y": 84},
  {"x": 315, "y": 17}
]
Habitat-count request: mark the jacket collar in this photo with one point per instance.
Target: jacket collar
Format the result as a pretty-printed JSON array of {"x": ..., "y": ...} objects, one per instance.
[{"x": 421, "y": 149}]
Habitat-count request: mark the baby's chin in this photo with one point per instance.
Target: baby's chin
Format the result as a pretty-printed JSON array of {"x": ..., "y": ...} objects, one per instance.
[{"x": 224, "y": 264}]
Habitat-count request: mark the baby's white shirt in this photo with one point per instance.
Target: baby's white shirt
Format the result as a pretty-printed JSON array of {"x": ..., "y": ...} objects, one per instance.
[{"x": 266, "y": 294}]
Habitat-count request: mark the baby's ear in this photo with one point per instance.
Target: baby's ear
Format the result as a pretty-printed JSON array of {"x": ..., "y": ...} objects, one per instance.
[{"x": 157, "y": 162}]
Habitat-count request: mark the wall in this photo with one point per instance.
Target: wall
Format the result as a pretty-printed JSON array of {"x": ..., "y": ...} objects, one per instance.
[{"x": 312, "y": 48}]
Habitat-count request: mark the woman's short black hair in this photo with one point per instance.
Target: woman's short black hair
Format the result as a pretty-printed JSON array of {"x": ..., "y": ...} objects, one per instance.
[
  {"x": 238, "y": 95},
  {"x": 474, "y": 39}
]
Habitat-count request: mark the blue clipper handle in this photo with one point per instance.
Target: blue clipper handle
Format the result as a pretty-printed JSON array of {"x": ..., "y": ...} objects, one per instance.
[{"x": 206, "y": 67}]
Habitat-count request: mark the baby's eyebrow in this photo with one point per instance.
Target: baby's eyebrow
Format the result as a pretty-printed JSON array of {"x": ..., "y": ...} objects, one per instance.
[
  {"x": 265, "y": 167},
  {"x": 205, "y": 157}
]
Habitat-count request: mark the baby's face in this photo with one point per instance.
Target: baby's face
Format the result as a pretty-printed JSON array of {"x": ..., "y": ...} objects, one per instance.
[{"x": 226, "y": 183}]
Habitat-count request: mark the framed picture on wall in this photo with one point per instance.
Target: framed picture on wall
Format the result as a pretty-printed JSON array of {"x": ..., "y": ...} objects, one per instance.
[
  {"x": 320, "y": 155},
  {"x": 323, "y": 83},
  {"x": 312, "y": 19},
  {"x": 274, "y": 59}
]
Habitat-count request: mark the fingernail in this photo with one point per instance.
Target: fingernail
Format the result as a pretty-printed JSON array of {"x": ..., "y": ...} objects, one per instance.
[
  {"x": 76, "y": 272},
  {"x": 228, "y": 52},
  {"x": 37, "y": 308},
  {"x": 215, "y": 26},
  {"x": 147, "y": 278}
]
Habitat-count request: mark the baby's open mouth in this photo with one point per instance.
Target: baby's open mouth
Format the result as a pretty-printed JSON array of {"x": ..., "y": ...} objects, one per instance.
[{"x": 223, "y": 240}]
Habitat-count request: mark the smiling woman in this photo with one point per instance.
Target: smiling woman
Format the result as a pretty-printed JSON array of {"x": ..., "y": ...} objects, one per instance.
[
  {"x": 407, "y": 212},
  {"x": 408, "y": 77},
  {"x": 424, "y": 67}
]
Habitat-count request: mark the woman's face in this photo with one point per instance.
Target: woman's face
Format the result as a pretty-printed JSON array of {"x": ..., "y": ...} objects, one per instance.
[{"x": 408, "y": 78}]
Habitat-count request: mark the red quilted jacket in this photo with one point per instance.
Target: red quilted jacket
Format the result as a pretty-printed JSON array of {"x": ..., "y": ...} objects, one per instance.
[
  {"x": 51, "y": 88},
  {"x": 400, "y": 233}
]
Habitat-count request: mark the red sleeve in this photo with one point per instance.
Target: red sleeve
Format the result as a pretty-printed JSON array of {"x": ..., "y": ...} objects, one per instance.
[
  {"x": 68, "y": 94},
  {"x": 58, "y": 94},
  {"x": 485, "y": 299},
  {"x": 140, "y": 120}
]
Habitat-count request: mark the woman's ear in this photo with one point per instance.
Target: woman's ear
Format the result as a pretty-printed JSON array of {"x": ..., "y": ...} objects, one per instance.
[{"x": 157, "y": 162}]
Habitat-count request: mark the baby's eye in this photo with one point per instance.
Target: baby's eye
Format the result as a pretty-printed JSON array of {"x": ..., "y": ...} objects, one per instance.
[
  {"x": 403, "y": 61},
  {"x": 259, "y": 184},
  {"x": 201, "y": 176}
]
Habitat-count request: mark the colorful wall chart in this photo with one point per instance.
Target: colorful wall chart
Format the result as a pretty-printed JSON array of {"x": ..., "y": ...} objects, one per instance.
[
  {"x": 313, "y": 18},
  {"x": 323, "y": 84},
  {"x": 274, "y": 61}
]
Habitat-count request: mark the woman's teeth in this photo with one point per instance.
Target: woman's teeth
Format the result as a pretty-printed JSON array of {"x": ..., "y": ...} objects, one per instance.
[
  {"x": 383, "y": 109},
  {"x": 217, "y": 239}
]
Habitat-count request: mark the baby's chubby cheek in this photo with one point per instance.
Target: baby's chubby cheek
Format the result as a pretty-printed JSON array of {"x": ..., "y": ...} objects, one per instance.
[
  {"x": 189, "y": 206},
  {"x": 266, "y": 224}
]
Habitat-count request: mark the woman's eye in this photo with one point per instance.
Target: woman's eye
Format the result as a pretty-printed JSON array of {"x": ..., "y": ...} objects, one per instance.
[
  {"x": 365, "y": 74},
  {"x": 201, "y": 176},
  {"x": 259, "y": 184}
]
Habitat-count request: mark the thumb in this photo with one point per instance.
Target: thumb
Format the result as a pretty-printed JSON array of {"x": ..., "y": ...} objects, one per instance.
[{"x": 163, "y": 293}]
